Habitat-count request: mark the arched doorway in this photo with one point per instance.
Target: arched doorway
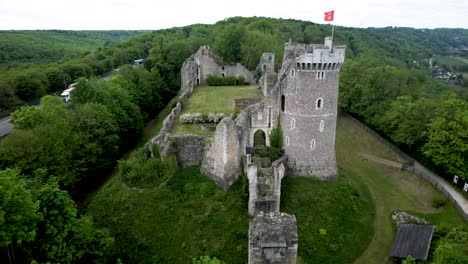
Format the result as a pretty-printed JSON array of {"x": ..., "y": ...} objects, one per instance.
[{"x": 259, "y": 138}]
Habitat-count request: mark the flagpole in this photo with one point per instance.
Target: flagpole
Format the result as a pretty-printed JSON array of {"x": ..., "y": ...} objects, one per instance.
[{"x": 333, "y": 30}]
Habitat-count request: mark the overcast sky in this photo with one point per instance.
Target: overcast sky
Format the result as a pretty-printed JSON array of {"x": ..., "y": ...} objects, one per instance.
[{"x": 157, "y": 14}]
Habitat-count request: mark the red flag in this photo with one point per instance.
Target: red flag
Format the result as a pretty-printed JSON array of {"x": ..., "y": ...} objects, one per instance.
[{"x": 329, "y": 15}]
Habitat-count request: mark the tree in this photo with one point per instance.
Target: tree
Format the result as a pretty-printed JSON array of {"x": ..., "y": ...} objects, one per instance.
[
  {"x": 56, "y": 220},
  {"x": 447, "y": 143},
  {"x": 228, "y": 42},
  {"x": 406, "y": 120},
  {"x": 31, "y": 85},
  {"x": 8, "y": 98},
  {"x": 452, "y": 249},
  {"x": 17, "y": 213},
  {"x": 254, "y": 44}
]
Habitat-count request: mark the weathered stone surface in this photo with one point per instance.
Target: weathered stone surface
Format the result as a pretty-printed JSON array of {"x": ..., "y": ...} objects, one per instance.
[
  {"x": 273, "y": 239},
  {"x": 242, "y": 103},
  {"x": 222, "y": 155},
  {"x": 189, "y": 149},
  {"x": 401, "y": 217},
  {"x": 309, "y": 81}
]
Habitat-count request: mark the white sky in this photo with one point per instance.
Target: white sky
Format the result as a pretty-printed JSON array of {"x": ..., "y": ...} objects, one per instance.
[{"x": 158, "y": 14}]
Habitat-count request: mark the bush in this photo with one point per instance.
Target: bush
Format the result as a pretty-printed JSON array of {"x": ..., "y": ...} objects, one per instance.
[
  {"x": 439, "y": 202},
  {"x": 197, "y": 118},
  {"x": 229, "y": 80},
  {"x": 271, "y": 153},
  {"x": 276, "y": 137},
  {"x": 143, "y": 171}
]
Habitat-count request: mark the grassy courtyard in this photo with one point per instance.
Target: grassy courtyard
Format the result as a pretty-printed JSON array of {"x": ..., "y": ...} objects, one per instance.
[{"x": 219, "y": 99}]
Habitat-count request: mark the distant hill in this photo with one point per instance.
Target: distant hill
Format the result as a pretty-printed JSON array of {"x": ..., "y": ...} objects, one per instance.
[{"x": 44, "y": 46}]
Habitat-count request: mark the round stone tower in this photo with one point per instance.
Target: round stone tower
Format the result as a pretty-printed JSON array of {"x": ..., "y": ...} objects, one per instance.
[{"x": 308, "y": 96}]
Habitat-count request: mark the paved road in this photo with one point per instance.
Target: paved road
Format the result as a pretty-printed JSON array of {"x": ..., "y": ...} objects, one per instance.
[{"x": 5, "y": 126}]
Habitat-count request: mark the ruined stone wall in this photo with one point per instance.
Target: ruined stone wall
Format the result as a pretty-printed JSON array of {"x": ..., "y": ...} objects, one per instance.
[
  {"x": 242, "y": 103},
  {"x": 222, "y": 156},
  {"x": 273, "y": 239},
  {"x": 267, "y": 62},
  {"x": 189, "y": 149},
  {"x": 238, "y": 70}
]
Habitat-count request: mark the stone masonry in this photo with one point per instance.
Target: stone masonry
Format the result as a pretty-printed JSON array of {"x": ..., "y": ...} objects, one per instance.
[
  {"x": 308, "y": 98},
  {"x": 222, "y": 155},
  {"x": 273, "y": 239}
]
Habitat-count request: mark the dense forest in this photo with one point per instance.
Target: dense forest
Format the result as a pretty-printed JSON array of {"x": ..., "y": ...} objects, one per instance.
[{"x": 56, "y": 151}]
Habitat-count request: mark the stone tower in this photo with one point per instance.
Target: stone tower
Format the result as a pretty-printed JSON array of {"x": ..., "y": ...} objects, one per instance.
[{"x": 307, "y": 100}]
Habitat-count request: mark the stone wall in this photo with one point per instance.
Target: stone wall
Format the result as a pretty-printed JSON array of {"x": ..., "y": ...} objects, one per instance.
[
  {"x": 237, "y": 70},
  {"x": 189, "y": 149},
  {"x": 265, "y": 186},
  {"x": 310, "y": 78},
  {"x": 267, "y": 62},
  {"x": 242, "y": 103},
  {"x": 273, "y": 239},
  {"x": 222, "y": 156}
]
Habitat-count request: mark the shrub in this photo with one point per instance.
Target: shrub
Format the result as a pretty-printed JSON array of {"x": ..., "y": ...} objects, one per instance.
[
  {"x": 271, "y": 153},
  {"x": 139, "y": 170},
  {"x": 438, "y": 202},
  {"x": 212, "y": 80},
  {"x": 197, "y": 118},
  {"x": 276, "y": 137}
]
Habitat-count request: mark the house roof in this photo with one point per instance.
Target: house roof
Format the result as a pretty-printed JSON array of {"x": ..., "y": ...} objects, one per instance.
[{"x": 412, "y": 240}]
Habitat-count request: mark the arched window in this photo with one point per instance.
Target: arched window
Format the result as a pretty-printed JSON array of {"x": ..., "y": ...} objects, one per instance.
[
  {"x": 283, "y": 102},
  {"x": 293, "y": 73},
  {"x": 312, "y": 144},
  {"x": 322, "y": 125},
  {"x": 319, "y": 104},
  {"x": 264, "y": 67}
]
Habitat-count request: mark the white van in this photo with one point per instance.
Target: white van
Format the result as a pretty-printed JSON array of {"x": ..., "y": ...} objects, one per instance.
[{"x": 66, "y": 97}]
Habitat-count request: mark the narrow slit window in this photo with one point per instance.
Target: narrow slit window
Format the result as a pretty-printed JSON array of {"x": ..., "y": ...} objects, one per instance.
[
  {"x": 322, "y": 75},
  {"x": 293, "y": 123},
  {"x": 322, "y": 125},
  {"x": 319, "y": 104},
  {"x": 283, "y": 102},
  {"x": 312, "y": 144}
]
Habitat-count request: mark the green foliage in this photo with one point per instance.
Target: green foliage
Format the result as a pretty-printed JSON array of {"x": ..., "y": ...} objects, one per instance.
[
  {"x": 17, "y": 210},
  {"x": 229, "y": 80},
  {"x": 206, "y": 260},
  {"x": 271, "y": 153},
  {"x": 438, "y": 202},
  {"x": 447, "y": 143},
  {"x": 229, "y": 41},
  {"x": 409, "y": 260},
  {"x": 140, "y": 170},
  {"x": 453, "y": 248},
  {"x": 276, "y": 137},
  {"x": 188, "y": 217}
]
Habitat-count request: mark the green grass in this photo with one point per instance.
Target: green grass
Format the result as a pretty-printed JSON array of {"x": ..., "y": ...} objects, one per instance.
[
  {"x": 189, "y": 217},
  {"x": 390, "y": 188},
  {"x": 344, "y": 209},
  {"x": 213, "y": 99}
]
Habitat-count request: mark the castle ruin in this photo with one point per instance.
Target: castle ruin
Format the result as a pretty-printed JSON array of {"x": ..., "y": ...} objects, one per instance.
[{"x": 301, "y": 98}]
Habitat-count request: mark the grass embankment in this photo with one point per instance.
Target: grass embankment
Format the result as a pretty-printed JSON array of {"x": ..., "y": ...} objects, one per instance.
[
  {"x": 334, "y": 219},
  {"x": 390, "y": 189},
  {"x": 218, "y": 99},
  {"x": 189, "y": 217}
]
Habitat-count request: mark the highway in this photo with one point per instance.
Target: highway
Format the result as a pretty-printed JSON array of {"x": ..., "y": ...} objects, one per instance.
[{"x": 5, "y": 126}]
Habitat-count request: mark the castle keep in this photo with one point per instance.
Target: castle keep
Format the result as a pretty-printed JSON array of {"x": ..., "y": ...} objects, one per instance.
[
  {"x": 302, "y": 99},
  {"x": 308, "y": 89}
]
